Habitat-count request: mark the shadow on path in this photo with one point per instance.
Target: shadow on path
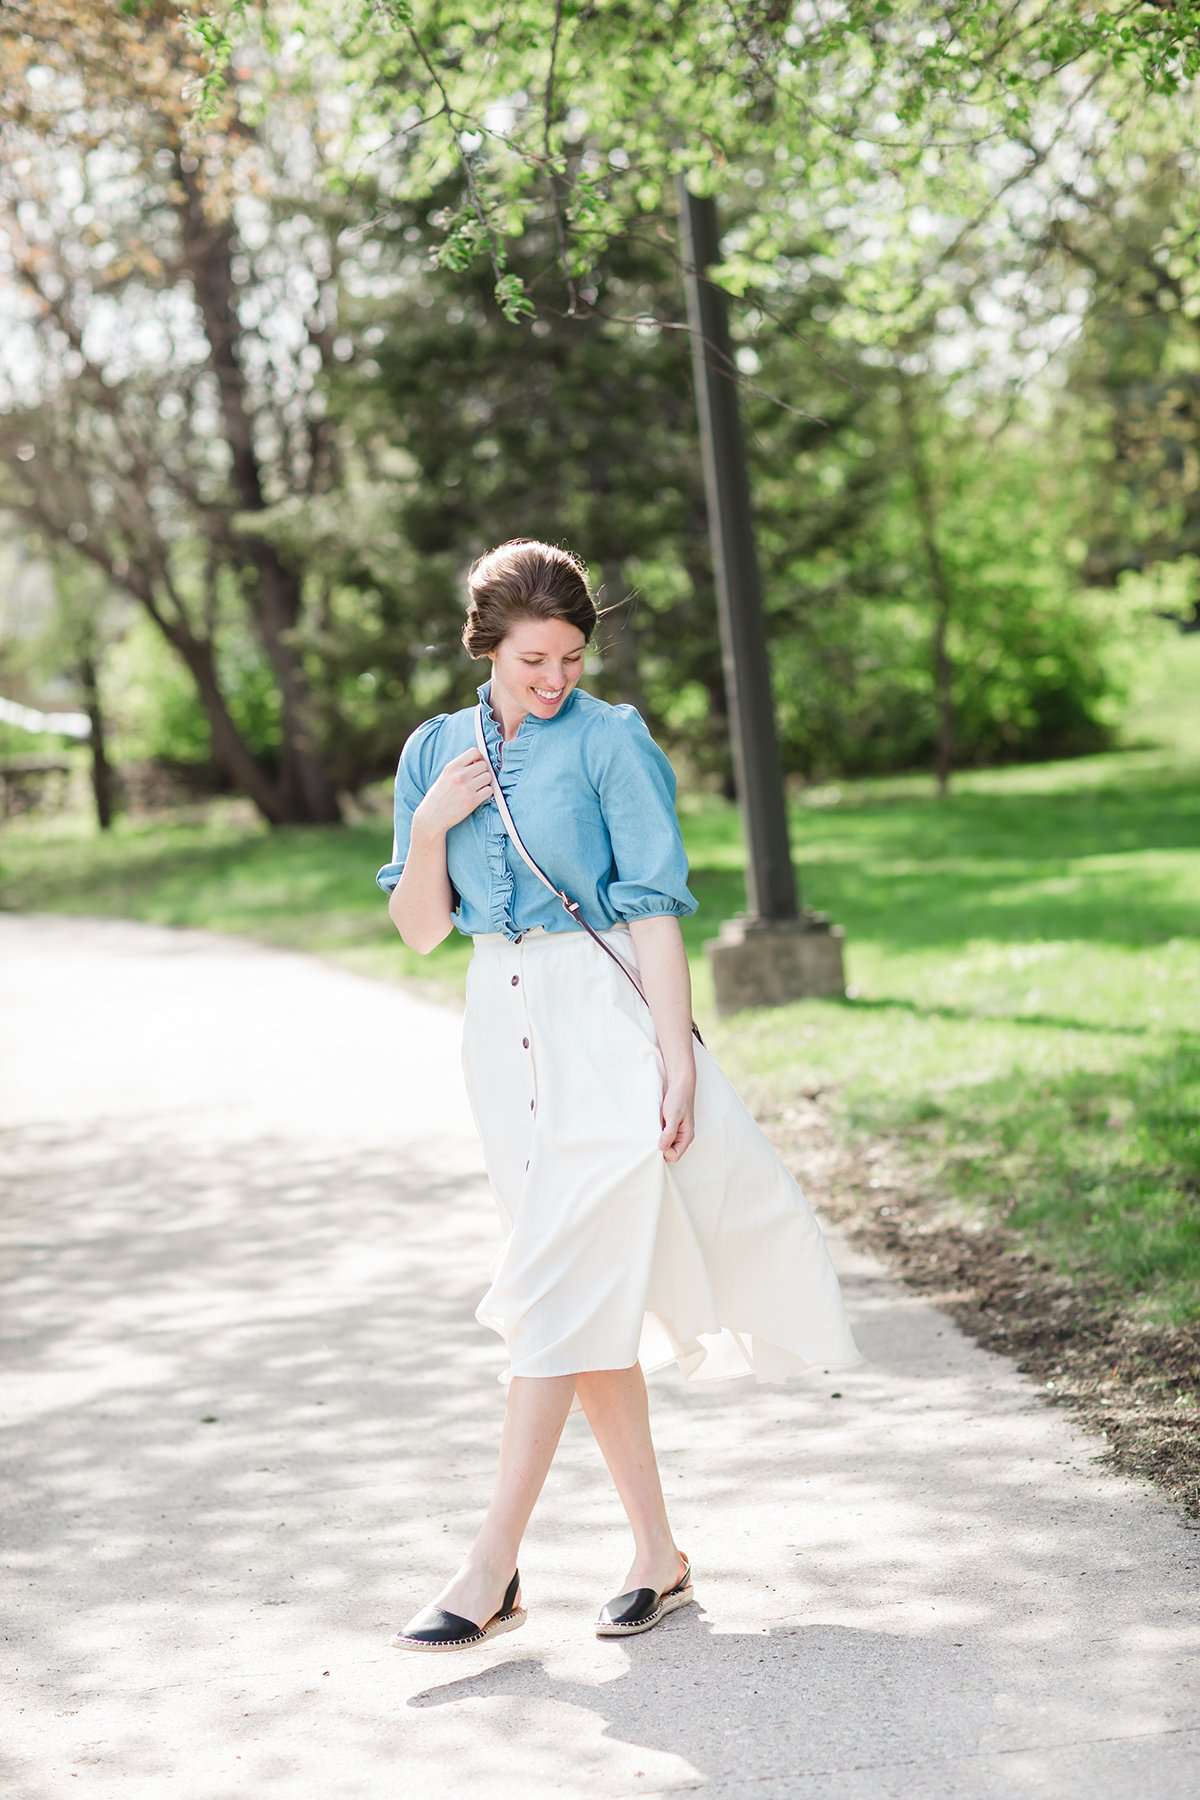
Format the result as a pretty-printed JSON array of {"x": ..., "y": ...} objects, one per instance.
[{"x": 251, "y": 1423}]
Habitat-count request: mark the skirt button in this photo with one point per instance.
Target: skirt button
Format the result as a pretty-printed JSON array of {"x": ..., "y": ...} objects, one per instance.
[
  {"x": 524, "y": 1043},
  {"x": 531, "y": 1106},
  {"x": 515, "y": 980}
]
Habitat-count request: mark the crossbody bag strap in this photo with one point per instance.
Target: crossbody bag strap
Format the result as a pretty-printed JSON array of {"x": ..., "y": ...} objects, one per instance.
[{"x": 570, "y": 906}]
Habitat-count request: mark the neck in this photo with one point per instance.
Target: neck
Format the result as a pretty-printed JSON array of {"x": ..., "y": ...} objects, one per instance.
[{"x": 505, "y": 710}]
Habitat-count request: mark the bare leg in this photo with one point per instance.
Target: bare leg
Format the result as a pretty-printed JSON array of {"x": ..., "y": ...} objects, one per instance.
[
  {"x": 534, "y": 1415},
  {"x": 618, "y": 1411}
]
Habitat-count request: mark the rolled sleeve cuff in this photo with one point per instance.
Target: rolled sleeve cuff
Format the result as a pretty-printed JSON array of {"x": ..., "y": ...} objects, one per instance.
[{"x": 657, "y": 906}]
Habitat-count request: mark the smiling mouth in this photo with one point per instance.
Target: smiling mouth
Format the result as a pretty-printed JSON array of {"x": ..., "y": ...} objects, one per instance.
[{"x": 544, "y": 696}]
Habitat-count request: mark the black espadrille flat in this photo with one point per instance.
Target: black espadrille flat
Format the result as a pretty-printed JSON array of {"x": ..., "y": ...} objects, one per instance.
[
  {"x": 436, "y": 1629},
  {"x": 642, "y": 1607}
]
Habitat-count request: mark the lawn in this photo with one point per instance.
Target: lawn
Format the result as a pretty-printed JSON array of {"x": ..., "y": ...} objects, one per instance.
[
  {"x": 1022, "y": 959},
  {"x": 1025, "y": 1005}
]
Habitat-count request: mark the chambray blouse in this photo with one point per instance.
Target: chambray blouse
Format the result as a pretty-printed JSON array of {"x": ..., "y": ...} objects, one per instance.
[{"x": 593, "y": 797}]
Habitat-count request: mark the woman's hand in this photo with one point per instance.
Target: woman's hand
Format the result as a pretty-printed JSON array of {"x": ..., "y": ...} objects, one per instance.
[
  {"x": 666, "y": 980},
  {"x": 464, "y": 783},
  {"x": 678, "y": 1115}
]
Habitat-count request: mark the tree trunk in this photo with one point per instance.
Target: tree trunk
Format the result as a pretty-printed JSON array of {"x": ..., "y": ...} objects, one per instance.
[
  {"x": 309, "y": 794},
  {"x": 230, "y": 750},
  {"x": 306, "y": 793},
  {"x": 101, "y": 769}
]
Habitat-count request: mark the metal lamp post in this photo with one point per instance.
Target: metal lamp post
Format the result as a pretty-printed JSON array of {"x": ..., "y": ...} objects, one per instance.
[{"x": 777, "y": 951}]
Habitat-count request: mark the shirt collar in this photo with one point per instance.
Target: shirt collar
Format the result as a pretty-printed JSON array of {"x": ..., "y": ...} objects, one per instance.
[{"x": 484, "y": 691}]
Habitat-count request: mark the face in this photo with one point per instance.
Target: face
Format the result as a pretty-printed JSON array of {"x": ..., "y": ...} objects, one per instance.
[{"x": 538, "y": 664}]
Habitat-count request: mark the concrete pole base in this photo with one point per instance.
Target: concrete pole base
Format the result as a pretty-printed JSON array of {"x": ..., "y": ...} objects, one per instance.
[{"x": 767, "y": 962}]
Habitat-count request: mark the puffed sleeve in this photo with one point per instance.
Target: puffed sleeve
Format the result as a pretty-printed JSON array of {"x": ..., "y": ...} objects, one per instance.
[
  {"x": 636, "y": 784},
  {"x": 413, "y": 780}
]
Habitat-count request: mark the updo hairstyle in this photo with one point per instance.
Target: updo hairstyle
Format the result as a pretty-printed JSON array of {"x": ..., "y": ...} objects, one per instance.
[{"x": 525, "y": 579}]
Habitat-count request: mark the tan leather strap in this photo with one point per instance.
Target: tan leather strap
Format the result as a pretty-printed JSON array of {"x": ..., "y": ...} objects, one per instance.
[{"x": 571, "y": 906}]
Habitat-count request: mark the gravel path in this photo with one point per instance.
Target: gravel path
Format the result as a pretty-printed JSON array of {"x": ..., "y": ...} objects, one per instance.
[{"x": 250, "y": 1422}]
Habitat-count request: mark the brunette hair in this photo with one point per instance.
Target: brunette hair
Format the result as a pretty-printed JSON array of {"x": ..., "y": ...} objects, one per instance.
[{"x": 525, "y": 579}]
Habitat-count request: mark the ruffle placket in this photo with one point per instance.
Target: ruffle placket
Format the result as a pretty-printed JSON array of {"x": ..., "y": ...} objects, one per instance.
[{"x": 509, "y": 758}]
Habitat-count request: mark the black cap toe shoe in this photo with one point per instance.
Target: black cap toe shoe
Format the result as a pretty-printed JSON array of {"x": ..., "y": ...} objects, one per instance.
[
  {"x": 643, "y": 1607},
  {"x": 437, "y": 1629}
]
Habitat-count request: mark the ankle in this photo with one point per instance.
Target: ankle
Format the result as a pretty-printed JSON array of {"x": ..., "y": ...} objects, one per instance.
[
  {"x": 655, "y": 1548},
  {"x": 492, "y": 1559}
]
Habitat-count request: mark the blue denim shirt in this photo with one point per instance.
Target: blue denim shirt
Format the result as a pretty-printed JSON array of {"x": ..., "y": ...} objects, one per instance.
[{"x": 593, "y": 797}]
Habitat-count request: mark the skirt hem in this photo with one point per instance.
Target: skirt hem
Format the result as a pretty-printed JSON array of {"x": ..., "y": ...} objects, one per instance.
[{"x": 691, "y": 1358}]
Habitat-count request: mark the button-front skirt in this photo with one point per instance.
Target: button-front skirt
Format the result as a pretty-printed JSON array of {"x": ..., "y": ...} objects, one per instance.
[{"x": 610, "y": 1254}]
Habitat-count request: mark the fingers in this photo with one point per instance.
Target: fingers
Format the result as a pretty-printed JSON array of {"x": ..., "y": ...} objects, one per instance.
[{"x": 676, "y": 1137}]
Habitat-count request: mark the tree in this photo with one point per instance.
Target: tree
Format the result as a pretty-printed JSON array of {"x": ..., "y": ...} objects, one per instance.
[
  {"x": 584, "y": 115},
  {"x": 1132, "y": 395},
  {"x": 151, "y": 420}
]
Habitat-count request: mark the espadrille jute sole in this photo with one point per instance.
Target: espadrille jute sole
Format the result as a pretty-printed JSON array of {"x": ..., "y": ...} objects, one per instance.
[
  {"x": 668, "y": 1604},
  {"x": 493, "y": 1628}
]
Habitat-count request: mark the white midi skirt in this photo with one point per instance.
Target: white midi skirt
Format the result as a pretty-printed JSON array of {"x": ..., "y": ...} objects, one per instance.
[{"x": 609, "y": 1254}]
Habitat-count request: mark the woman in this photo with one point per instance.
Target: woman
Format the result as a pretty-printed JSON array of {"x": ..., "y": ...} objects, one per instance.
[{"x": 647, "y": 1218}]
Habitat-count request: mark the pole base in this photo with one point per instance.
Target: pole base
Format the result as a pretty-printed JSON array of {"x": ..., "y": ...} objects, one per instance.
[{"x": 767, "y": 962}]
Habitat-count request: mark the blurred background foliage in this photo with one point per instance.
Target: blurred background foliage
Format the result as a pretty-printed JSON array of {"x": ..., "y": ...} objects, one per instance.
[{"x": 307, "y": 306}]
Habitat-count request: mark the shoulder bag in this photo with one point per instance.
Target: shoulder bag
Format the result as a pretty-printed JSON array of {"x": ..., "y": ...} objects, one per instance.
[{"x": 571, "y": 906}]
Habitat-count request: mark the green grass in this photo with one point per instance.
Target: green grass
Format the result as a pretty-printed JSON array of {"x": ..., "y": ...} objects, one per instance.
[
  {"x": 304, "y": 889},
  {"x": 1022, "y": 958},
  {"x": 1025, "y": 1005}
]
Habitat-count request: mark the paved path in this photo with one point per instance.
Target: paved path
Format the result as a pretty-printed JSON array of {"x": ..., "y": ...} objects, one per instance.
[{"x": 250, "y": 1422}]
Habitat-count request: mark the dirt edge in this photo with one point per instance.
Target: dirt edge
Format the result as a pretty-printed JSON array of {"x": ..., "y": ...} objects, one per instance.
[{"x": 1133, "y": 1385}]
